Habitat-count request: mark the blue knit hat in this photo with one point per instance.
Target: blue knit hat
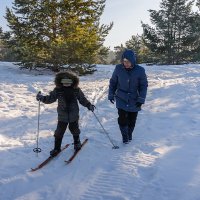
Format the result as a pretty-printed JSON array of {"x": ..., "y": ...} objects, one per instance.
[{"x": 129, "y": 55}]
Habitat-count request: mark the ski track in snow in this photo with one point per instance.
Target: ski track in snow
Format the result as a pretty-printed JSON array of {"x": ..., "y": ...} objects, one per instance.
[{"x": 161, "y": 163}]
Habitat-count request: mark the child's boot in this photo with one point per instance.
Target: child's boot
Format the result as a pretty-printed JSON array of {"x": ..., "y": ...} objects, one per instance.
[
  {"x": 77, "y": 143},
  {"x": 57, "y": 146}
]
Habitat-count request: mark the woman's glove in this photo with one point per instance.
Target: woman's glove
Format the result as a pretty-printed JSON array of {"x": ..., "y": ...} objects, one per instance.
[{"x": 138, "y": 104}]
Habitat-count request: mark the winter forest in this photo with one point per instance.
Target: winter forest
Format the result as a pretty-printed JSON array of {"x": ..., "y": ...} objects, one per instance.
[
  {"x": 46, "y": 40},
  {"x": 53, "y": 34}
]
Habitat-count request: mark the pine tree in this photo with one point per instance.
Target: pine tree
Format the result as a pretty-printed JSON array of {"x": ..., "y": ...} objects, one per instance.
[
  {"x": 171, "y": 36},
  {"x": 102, "y": 55},
  {"x": 196, "y": 35},
  {"x": 198, "y": 4},
  {"x": 1, "y": 44},
  {"x": 53, "y": 33},
  {"x": 135, "y": 44},
  {"x": 5, "y": 53},
  {"x": 118, "y": 53}
]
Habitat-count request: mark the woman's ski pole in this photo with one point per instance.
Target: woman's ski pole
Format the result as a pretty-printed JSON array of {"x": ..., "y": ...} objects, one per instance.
[
  {"x": 37, "y": 149},
  {"x": 114, "y": 146}
]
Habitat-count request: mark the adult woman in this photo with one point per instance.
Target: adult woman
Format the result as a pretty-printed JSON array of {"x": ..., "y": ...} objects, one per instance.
[{"x": 128, "y": 86}]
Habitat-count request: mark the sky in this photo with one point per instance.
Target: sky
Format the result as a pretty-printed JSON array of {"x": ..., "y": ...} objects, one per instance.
[{"x": 126, "y": 16}]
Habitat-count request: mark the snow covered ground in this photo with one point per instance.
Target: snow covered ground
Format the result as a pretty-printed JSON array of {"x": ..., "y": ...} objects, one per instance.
[{"x": 161, "y": 163}]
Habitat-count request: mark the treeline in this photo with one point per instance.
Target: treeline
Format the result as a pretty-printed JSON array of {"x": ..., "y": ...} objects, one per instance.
[
  {"x": 173, "y": 37},
  {"x": 67, "y": 33}
]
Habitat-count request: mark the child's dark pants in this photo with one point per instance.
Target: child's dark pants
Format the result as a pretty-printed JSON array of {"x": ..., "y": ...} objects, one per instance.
[{"x": 60, "y": 130}]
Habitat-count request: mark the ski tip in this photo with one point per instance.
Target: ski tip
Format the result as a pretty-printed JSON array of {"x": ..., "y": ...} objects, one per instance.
[{"x": 32, "y": 170}]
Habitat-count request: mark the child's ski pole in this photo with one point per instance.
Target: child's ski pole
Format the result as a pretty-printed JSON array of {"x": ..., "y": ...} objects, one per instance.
[{"x": 37, "y": 149}]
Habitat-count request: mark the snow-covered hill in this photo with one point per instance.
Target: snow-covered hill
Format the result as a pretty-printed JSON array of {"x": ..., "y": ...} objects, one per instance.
[{"x": 161, "y": 163}]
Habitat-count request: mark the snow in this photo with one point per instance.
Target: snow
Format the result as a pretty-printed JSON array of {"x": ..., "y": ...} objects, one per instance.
[{"x": 161, "y": 163}]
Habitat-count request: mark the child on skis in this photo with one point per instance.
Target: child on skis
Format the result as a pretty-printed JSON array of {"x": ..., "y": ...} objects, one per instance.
[{"x": 68, "y": 94}]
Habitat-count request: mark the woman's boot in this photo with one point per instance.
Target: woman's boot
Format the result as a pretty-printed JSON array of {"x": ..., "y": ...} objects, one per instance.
[
  {"x": 124, "y": 132},
  {"x": 130, "y": 132}
]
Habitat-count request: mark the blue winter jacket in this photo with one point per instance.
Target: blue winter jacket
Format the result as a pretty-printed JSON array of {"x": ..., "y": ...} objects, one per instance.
[{"x": 128, "y": 86}]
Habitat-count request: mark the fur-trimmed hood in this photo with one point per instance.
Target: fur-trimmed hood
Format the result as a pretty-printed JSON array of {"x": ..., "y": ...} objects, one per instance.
[{"x": 66, "y": 75}]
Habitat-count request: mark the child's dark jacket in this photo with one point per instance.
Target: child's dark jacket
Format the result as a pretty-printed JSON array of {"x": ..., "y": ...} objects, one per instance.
[
  {"x": 68, "y": 97},
  {"x": 68, "y": 109}
]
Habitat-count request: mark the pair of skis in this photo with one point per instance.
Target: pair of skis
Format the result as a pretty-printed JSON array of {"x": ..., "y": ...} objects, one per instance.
[{"x": 66, "y": 161}]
